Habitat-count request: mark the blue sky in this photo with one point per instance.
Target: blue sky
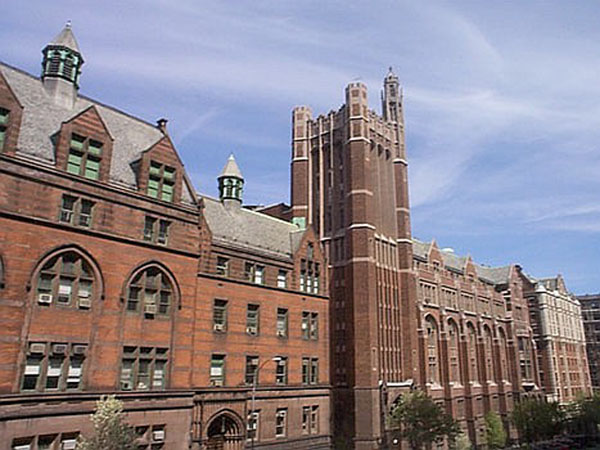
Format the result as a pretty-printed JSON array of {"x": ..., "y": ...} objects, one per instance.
[{"x": 502, "y": 102}]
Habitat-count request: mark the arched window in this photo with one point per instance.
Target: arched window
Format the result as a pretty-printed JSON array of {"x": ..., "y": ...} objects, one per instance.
[
  {"x": 503, "y": 345},
  {"x": 67, "y": 280},
  {"x": 150, "y": 292},
  {"x": 453, "y": 352},
  {"x": 488, "y": 353},
  {"x": 472, "y": 353},
  {"x": 433, "y": 375}
]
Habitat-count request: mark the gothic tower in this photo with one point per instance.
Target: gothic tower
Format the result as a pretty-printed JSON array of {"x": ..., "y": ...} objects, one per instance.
[{"x": 349, "y": 180}]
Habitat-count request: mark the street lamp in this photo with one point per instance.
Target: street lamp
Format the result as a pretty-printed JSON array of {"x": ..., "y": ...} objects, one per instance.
[{"x": 254, "y": 381}]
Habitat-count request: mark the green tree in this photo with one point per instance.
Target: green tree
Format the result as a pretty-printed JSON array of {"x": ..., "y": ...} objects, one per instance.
[
  {"x": 462, "y": 442},
  {"x": 537, "y": 420},
  {"x": 495, "y": 433},
  {"x": 422, "y": 421},
  {"x": 584, "y": 415},
  {"x": 110, "y": 431}
]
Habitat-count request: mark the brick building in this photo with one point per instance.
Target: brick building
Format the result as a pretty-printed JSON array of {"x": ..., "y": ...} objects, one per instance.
[
  {"x": 117, "y": 277},
  {"x": 556, "y": 320},
  {"x": 590, "y": 310}
]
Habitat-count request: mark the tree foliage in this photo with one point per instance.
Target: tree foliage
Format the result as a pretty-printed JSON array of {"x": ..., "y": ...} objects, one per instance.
[
  {"x": 462, "y": 442},
  {"x": 422, "y": 421},
  {"x": 494, "y": 431},
  {"x": 537, "y": 420},
  {"x": 110, "y": 431},
  {"x": 584, "y": 415}
]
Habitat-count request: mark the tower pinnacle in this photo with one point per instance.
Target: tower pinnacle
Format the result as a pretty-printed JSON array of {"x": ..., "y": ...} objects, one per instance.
[{"x": 231, "y": 182}]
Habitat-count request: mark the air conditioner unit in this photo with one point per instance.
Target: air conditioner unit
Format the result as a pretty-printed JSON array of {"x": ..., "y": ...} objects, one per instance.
[
  {"x": 251, "y": 330},
  {"x": 79, "y": 350},
  {"x": 85, "y": 302},
  {"x": 281, "y": 333},
  {"x": 150, "y": 308},
  {"x": 158, "y": 435},
  {"x": 162, "y": 239},
  {"x": 45, "y": 299},
  {"x": 217, "y": 382},
  {"x": 126, "y": 385},
  {"x": 37, "y": 347},
  {"x": 69, "y": 444},
  {"x": 59, "y": 349},
  {"x": 219, "y": 327},
  {"x": 148, "y": 235}
]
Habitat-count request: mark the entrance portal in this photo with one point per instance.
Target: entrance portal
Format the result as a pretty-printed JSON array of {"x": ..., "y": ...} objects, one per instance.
[{"x": 224, "y": 434}]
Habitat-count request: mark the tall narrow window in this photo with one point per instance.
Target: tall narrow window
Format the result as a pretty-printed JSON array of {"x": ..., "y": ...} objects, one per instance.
[
  {"x": 305, "y": 419},
  {"x": 150, "y": 292},
  {"x": 305, "y": 370},
  {"x": 314, "y": 326},
  {"x": 472, "y": 353},
  {"x": 488, "y": 353},
  {"x": 222, "y": 266},
  {"x": 217, "y": 370},
  {"x": 281, "y": 371},
  {"x": 453, "y": 352},
  {"x": 314, "y": 371},
  {"x": 251, "y": 368},
  {"x": 281, "y": 422},
  {"x": 156, "y": 230},
  {"x": 314, "y": 419},
  {"x": 220, "y": 316},
  {"x": 85, "y": 156},
  {"x": 282, "y": 322},
  {"x": 259, "y": 274},
  {"x": 4, "y": 114},
  {"x": 66, "y": 280},
  {"x": 282, "y": 279},
  {"x": 161, "y": 181},
  {"x": 503, "y": 346},
  {"x": 432, "y": 351},
  {"x": 252, "y": 319},
  {"x": 253, "y": 425}
]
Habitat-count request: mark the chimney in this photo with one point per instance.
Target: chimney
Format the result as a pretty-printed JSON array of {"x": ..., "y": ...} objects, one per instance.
[{"x": 161, "y": 124}]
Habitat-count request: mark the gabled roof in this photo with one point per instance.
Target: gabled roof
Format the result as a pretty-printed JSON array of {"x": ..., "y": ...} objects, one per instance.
[
  {"x": 42, "y": 119},
  {"x": 66, "y": 38},
  {"x": 251, "y": 230}
]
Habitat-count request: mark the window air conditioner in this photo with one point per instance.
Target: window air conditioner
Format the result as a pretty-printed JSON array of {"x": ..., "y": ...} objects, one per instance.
[
  {"x": 45, "y": 299},
  {"x": 158, "y": 435},
  {"x": 37, "y": 347},
  {"x": 281, "y": 333},
  {"x": 219, "y": 327},
  {"x": 85, "y": 302},
  {"x": 150, "y": 308},
  {"x": 59, "y": 349},
  {"x": 79, "y": 350},
  {"x": 251, "y": 330},
  {"x": 69, "y": 444}
]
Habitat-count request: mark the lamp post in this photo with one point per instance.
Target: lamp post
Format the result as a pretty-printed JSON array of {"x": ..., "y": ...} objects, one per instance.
[{"x": 253, "y": 402}]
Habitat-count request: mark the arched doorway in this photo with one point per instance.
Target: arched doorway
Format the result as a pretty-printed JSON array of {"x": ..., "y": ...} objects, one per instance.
[{"x": 224, "y": 433}]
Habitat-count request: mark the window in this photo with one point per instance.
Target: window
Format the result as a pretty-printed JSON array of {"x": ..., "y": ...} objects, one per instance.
[
  {"x": 222, "y": 266},
  {"x": 472, "y": 353},
  {"x": 309, "y": 276},
  {"x": 156, "y": 230},
  {"x": 150, "y": 437},
  {"x": 161, "y": 182},
  {"x": 53, "y": 366},
  {"x": 314, "y": 326},
  {"x": 282, "y": 279},
  {"x": 282, "y": 322},
  {"x": 220, "y": 316},
  {"x": 259, "y": 275},
  {"x": 253, "y": 424},
  {"x": 76, "y": 211},
  {"x": 281, "y": 422},
  {"x": 251, "y": 368},
  {"x": 314, "y": 419},
  {"x": 84, "y": 157},
  {"x": 432, "y": 351},
  {"x": 152, "y": 289},
  {"x": 144, "y": 368},
  {"x": 252, "y": 319},
  {"x": 310, "y": 370},
  {"x": 453, "y": 352},
  {"x": 488, "y": 352},
  {"x": 281, "y": 371},
  {"x": 4, "y": 114},
  {"x": 217, "y": 370},
  {"x": 305, "y": 419},
  {"x": 66, "y": 280}
]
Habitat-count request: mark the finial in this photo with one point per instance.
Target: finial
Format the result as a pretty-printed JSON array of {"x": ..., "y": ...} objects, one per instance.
[
  {"x": 68, "y": 24},
  {"x": 161, "y": 124}
]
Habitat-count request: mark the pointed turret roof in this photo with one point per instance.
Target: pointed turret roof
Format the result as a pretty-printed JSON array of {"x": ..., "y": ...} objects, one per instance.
[
  {"x": 231, "y": 169},
  {"x": 391, "y": 75},
  {"x": 66, "y": 38}
]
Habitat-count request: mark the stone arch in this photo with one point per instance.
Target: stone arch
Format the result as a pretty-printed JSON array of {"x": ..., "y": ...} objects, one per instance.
[
  {"x": 224, "y": 431},
  {"x": 156, "y": 265},
  {"x": 75, "y": 253}
]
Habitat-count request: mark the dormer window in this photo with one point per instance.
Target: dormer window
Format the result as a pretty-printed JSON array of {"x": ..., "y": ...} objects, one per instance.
[
  {"x": 4, "y": 113},
  {"x": 161, "y": 181},
  {"x": 85, "y": 156}
]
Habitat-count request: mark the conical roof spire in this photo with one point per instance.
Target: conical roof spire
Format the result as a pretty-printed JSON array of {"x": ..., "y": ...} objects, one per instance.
[
  {"x": 66, "y": 38},
  {"x": 231, "y": 169}
]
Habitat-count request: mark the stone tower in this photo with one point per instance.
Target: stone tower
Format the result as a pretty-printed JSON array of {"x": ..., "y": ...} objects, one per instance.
[{"x": 349, "y": 180}]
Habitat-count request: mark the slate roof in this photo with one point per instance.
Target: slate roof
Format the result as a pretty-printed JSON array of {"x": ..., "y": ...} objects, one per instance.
[
  {"x": 42, "y": 119},
  {"x": 231, "y": 169},
  {"x": 495, "y": 275},
  {"x": 251, "y": 230},
  {"x": 66, "y": 38}
]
